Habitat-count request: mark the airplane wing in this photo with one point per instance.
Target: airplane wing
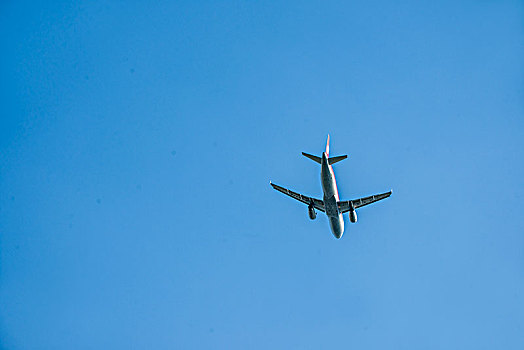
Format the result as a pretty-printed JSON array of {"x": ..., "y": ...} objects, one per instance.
[
  {"x": 317, "y": 203},
  {"x": 343, "y": 206}
]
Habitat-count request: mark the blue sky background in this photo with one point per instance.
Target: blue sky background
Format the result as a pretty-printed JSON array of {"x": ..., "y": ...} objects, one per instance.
[{"x": 137, "y": 141}]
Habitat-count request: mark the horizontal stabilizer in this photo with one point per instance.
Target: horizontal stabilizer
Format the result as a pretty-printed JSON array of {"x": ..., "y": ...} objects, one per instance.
[
  {"x": 312, "y": 157},
  {"x": 333, "y": 160}
]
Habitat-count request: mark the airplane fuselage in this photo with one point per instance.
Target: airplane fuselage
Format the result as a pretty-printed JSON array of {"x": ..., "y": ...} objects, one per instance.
[{"x": 329, "y": 186}]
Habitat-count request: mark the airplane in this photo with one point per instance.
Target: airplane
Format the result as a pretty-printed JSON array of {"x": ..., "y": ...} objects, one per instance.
[{"x": 331, "y": 204}]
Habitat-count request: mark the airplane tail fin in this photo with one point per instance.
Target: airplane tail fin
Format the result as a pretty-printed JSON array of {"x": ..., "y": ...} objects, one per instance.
[{"x": 331, "y": 160}]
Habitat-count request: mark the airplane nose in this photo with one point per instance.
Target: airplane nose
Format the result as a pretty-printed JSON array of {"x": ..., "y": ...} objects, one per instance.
[{"x": 338, "y": 233}]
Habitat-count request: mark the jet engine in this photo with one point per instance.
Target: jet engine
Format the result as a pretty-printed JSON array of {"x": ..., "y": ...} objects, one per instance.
[
  {"x": 352, "y": 213},
  {"x": 312, "y": 212},
  {"x": 353, "y": 216}
]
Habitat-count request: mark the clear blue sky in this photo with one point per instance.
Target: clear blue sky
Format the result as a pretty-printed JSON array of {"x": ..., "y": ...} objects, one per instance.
[{"x": 137, "y": 141}]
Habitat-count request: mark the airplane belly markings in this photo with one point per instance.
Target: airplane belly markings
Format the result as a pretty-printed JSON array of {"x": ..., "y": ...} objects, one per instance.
[{"x": 331, "y": 205}]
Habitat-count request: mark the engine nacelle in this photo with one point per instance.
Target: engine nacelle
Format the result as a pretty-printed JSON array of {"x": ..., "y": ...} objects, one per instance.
[
  {"x": 353, "y": 216},
  {"x": 312, "y": 213}
]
